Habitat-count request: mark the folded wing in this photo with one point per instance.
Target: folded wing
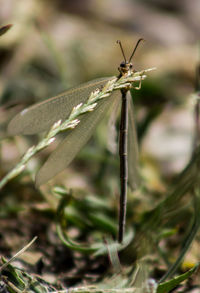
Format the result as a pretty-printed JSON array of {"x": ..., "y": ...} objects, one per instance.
[
  {"x": 75, "y": 140},
  {"x": 133, "y": 157},
  {"x": 41, "y": 116}
]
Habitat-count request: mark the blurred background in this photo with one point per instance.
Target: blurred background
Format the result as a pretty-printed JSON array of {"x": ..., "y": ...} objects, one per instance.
[{"x": 54, "y": 45}]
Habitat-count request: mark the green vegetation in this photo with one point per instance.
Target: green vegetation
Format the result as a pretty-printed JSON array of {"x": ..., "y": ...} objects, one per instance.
[{"x": 61, "y": 237}]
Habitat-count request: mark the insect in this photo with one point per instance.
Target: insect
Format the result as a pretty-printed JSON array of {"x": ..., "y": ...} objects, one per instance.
[{"x": 41, "y": 116}]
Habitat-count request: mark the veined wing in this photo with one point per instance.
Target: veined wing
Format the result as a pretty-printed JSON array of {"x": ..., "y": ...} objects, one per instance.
[
  {"x": 41, "y": 116},
  {"x": 77, "y": 137},
  {"x": 133, "y": 157},
  {"x": 112, "y": 133}
]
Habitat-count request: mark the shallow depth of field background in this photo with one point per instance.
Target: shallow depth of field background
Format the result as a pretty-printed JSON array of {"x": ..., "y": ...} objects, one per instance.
[{"x": 54, "y": 45}]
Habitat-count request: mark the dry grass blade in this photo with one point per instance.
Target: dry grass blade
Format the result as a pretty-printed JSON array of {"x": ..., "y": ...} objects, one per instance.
[{"x": 17, "y": 254}]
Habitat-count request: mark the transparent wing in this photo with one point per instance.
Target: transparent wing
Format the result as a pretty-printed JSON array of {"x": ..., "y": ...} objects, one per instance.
[
  {"x": 112, "y": 132},
  {"x": 67, "y": 150},
  {"x": 41, "y": 116},
  {"x": 133, "y": 157}
]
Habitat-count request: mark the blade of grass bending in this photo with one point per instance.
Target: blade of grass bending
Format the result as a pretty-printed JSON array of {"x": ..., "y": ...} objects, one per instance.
[
  {"x": 171, "y": 284},
  {"x": 188, "y": 239},
  {"x": 96, "y": 248},
  {"x": 17, "y": 254},
  {"x": 75, "y": 140}
]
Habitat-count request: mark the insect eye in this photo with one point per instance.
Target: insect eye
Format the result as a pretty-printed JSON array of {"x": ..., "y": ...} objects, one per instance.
[
  {"x": 131, "y": 65},
  {"x": 122, "y": 65}
]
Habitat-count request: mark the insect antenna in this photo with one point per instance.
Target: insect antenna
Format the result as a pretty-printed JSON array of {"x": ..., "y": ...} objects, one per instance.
[
  {"x": 119, "y": 42},
  {"x": 135, "y": 49}
]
